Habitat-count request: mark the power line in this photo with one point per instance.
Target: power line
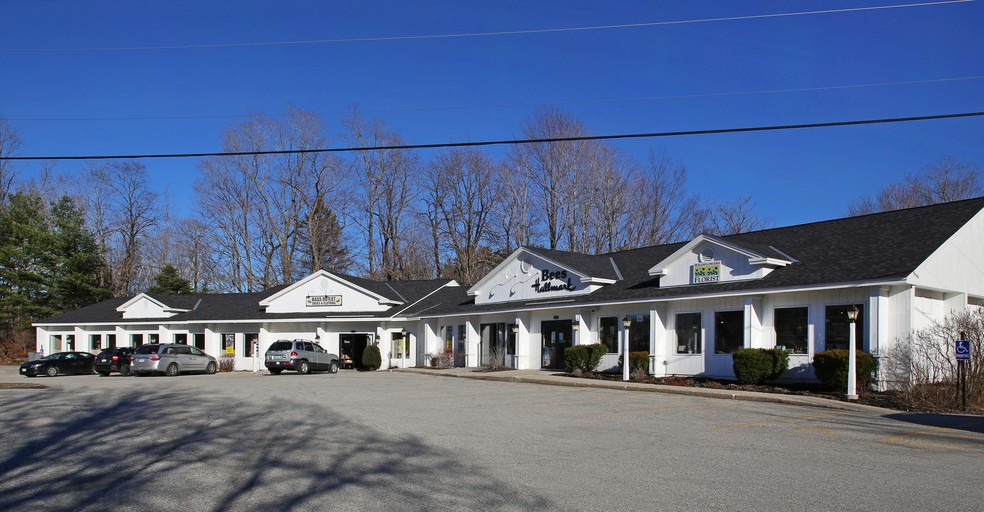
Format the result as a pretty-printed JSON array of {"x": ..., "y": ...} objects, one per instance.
[
  {"x": 518, "y": 105},
  {"x": 508, "y": 142},
  {"x": 485, "y": 34}
]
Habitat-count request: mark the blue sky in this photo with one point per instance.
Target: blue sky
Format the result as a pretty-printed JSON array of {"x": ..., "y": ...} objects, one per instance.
[{"x": 684, "y": 76}]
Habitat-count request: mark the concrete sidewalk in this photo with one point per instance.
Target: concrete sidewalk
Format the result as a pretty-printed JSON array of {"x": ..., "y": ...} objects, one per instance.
[{"x": 552, "y": 378}]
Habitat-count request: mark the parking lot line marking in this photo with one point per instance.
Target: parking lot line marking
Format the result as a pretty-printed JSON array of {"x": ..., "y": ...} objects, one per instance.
[{"x": 781, "y": 421}]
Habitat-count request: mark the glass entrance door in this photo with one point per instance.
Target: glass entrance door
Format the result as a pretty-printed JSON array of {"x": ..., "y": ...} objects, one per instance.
[
  {"x": 351, "y": 347},
  {"x": 557, "y": 336}
]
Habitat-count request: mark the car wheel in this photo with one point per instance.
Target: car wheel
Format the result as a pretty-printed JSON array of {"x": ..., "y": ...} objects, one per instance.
[
  {"x": 172, "y": 370},
  {"x": 125, "y": 370},
  {"x": 104, "y": 374},
  {"x": 333, "y": 367},
  {"x": 210, "y": 368},
  {"x": 51, "y": 371},
  {"x": 303, "y": 367},
  {"x": 275, "y": 372}
]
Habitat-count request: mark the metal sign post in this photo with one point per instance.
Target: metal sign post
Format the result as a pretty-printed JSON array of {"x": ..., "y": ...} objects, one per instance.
[{"x": 963, "y": 350}]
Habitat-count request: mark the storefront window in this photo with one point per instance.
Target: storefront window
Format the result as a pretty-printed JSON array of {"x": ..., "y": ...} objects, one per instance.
[
  {"x": 728, "y": 331},
  {"x": 95, "y": 342},
  {"x": 181, "y": 338},
  {"x": 250, "y": 339},
  {"x": 608, "y": 333},
  {"x": 639, "y": 333},
  {"x": 136, "y": 340},
  {"x": 110, "y": 341},
  {"x": 199, "y": 341},
  {"x": 688, "y": 333},
  {"x": 229, "y": 344},
  {"x": 153, "y": 338},
  {"x": 793, "y": 329},
  {"x": 838, "y": 329}
]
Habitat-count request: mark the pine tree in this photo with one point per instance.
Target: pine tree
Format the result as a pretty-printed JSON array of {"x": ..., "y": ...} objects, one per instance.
[{"x": 168, "y": 282}]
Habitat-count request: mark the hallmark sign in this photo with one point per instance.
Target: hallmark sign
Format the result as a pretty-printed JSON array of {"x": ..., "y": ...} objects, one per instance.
[
  {"x": 549, "y": 281},
  {"x": 323, "y": 300},
  {"x": 709, "y": 272}
]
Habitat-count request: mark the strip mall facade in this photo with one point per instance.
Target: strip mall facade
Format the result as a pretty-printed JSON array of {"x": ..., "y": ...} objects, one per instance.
[{"x": 689, "y": 305}]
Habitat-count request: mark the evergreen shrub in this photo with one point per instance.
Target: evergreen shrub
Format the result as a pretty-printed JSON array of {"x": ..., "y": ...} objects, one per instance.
[
  {"x": 371, "y": 357},
  {"x": 831, "y": 368},
  {"x": 757, "y": 365},
  {"x": 585, "y": 358}
]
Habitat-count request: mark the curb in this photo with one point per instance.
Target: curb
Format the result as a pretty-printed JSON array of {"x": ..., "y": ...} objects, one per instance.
[{"x": 749, "y": 396}]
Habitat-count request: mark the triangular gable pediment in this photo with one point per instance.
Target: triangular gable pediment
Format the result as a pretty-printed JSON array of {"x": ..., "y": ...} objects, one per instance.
[
  {"x": 145, "y": 306},
  {"x": 526, "y": 275},
  {"x": 325, "y": 292},
  {"x": 708, "y": 259}
]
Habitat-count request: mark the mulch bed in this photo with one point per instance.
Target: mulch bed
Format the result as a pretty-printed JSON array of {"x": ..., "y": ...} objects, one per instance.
[{"x": 888, "y": 399}]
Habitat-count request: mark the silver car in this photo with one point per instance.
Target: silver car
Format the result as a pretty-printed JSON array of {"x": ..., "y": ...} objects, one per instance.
[
  {"x": 303, "y": 356},
  {"x": 171, "y": 359}
]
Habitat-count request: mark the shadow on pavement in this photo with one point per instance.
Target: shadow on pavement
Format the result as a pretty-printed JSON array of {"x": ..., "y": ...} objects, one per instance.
[
  {"x": 951, "y": 421},
  {"x": 150, "y": 450}
]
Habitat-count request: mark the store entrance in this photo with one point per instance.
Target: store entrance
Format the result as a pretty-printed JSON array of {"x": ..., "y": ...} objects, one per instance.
[
  {"x": 351, "y": 347},
  {"x": 557, "y": 336}
]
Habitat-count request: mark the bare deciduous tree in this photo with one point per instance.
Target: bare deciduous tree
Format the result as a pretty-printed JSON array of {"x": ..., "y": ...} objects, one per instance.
[
  {"x": 554, "y": 170},
  {"x": 664, "y": 210},
  {"x": 736, "y": 217},
  {"x": 945, "y": 181},
  {"x": 463, "y": 193},
  {"x": 10, "y": 142}
]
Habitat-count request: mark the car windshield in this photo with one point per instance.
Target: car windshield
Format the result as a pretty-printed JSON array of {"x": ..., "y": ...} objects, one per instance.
[
  {"x": 281, "y": 345},
  {"x": 53, "y": 357}
]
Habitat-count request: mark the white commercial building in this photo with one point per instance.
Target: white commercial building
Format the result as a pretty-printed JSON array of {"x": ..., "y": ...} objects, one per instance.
[{"x": 689, "y": 305}]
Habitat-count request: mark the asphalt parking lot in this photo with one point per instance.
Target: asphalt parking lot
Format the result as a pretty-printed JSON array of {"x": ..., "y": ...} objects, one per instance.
[{"x": 404, "y": 441}]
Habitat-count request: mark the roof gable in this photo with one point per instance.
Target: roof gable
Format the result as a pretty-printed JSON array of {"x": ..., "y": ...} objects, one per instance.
[
  {"x": 325, "y": 292},
  {"x": 145, "y": 306},
  {"x": 529, "y": 275},
  {"x": 708, "y": 259}
]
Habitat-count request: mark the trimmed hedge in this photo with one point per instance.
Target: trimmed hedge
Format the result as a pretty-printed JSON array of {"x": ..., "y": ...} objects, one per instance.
[
  {"x": 757, "y": 365},
  {"x": 584, "y": 357},
  {"x": 831, "y": 368},
  {"x": 371, "y": 357}
]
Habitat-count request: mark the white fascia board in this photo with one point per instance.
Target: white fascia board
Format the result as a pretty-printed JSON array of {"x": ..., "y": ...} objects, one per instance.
[
  {"x": 581, "y": 305},
  {"x": 488, "y": 276},
  {"x": 768, "y": 262}
]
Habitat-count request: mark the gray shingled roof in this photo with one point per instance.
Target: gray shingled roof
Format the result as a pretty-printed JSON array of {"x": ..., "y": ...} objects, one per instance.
[{"x": 882, "y": 246}]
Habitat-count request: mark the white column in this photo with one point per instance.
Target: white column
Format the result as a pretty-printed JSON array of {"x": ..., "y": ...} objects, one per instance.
[
  {"x": 659, "y": 346},
  {"x": 753, "y": 323}
]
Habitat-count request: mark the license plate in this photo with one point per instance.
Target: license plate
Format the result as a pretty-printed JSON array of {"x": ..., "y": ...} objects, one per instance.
[
  {"x": 141, "y": 360},
  {"x": 104, "y": 360},
  {"x": 280, "y": 356}
]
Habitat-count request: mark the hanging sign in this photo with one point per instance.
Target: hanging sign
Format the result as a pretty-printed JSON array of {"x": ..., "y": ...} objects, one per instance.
[{"x": 323, "y": 300}]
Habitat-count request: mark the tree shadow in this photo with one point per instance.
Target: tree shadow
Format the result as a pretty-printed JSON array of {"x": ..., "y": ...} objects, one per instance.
[
  {"x": 150, "y": 450},
  {"x": 968, "y": 423}
]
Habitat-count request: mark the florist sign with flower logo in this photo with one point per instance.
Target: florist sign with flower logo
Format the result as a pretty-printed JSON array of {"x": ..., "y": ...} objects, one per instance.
[{"x": 708, "y": 272}]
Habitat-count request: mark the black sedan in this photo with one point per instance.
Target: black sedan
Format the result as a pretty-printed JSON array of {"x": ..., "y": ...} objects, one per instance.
[{"x": 59, "y": 363}]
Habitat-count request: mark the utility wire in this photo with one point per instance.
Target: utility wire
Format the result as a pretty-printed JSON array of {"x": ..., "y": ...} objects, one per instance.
[
  {"x": 484, "y": 34},
  {"x": 515, "y": 105},
  {"x": 506, "y": 142}
]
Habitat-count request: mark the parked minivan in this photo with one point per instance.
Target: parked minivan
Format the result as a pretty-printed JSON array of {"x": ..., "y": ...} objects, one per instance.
[{"x": 171, "y": 359}]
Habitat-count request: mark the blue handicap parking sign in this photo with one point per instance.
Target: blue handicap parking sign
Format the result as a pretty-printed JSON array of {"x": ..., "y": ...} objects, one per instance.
[{"x": 963, "y": 350}]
